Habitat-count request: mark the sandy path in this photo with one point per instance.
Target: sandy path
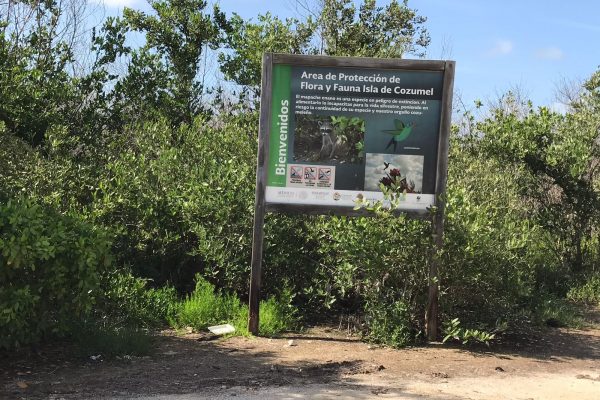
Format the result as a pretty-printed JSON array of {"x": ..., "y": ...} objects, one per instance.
[{"x": 319, "y": 364}]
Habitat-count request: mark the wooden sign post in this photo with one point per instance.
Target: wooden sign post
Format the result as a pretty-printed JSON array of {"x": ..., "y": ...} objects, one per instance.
[{"x": 331, "y": 128}]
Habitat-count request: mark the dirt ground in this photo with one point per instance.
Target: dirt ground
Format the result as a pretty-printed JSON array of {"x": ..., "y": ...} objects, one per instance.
[{"x": 323, "y": 363}]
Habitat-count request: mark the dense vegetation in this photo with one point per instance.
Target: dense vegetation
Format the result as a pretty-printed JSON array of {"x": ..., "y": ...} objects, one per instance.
[{"x": 127, "y": 186}]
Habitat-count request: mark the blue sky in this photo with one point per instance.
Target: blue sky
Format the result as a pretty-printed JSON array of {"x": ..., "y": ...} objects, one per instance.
[{"x": 497, "y": 45}]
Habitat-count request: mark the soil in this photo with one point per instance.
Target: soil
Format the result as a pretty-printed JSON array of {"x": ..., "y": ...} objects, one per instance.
[{"x": 322, "y": 363}]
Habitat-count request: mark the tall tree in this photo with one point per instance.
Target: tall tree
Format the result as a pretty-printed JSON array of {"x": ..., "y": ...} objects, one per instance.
[
  {"x": 331, "y": 27},
  {"x": 176, "y": 37},
  {"x": 374, "y": 31},
  {"x": 162, "y": 74},
  {"x": 247, "y": 41},
  {"x": 36, "y": 90}
]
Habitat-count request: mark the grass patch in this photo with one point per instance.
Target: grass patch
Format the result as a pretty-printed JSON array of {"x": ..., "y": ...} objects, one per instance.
[
  {"x": 206, "y": 307},
  {"x": 588, "y": 293},
  {"x": 556, "y": 312},
  {"x": 111, "y": 342}
]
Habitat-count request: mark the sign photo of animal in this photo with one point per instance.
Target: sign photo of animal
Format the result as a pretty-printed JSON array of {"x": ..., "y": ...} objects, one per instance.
[{"x": 329, "y": 139}]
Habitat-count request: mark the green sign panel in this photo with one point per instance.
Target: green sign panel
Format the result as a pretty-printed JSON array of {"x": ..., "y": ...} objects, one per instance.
[{"x": 280, "y": 125}]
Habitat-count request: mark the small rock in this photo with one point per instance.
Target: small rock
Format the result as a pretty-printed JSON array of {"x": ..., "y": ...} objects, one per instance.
[
  {"x": 379, "y": 391},
  {"x": 22, "y": 385},
  {"x": 499, "y": 369},
  {"x": 206, "y": 337},
  {"x": 290, "y": 343}
]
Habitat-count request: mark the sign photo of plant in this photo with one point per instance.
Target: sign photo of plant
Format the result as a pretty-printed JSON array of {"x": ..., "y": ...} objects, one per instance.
[{"x": 405, "y": 170}]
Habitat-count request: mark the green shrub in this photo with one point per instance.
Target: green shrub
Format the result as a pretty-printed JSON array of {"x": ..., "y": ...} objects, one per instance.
[
  {"x": 553, "y": 311},
  {"x": 128, "y": 301},
  {"x": 390, "y": 324},
  {"x": 365, "y": 262},
  {"x": 124, "y": 313},
  {"x": 376, "y": 267},
  {"x": 452, "y": 330},
  {"x": 50, "y": 268},
  {"x": 18, "y": 164},
  {"x": 180, "y": 201},
  {"x": 277, "y": 314},
  {"x": 587, "y": 293},
  {"x": 492, "y": 249}
]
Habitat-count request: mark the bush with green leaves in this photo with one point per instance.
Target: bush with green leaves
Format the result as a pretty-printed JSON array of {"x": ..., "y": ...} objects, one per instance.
[
  {"x": 493, "y": 252},
  {"x": 127, "y": 301},
  {"x": 18, "y": 163},
  {"x": 124, "y": 316},
  {"x": 556, "y": 158},
  {"x": 50, "y": 269},
  {"x": 587, "y": 292},
  {"x": 277, "y": 314},
  {"x": 375, "y": 267},
  {"x": 453, "y": 330},
  {"x": 179, "y": 200},
  {"x": 521, "y": 221},
  {"x": 390, "y": 323},
  {"x": 549, "y": 309}
]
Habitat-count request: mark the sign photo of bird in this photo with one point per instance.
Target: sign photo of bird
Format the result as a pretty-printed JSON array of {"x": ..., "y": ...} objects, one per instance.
[{"x": 401, "y": 133}]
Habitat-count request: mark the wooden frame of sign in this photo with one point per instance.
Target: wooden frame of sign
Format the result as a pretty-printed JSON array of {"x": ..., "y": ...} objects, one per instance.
[{"x": 443, "y": 68}]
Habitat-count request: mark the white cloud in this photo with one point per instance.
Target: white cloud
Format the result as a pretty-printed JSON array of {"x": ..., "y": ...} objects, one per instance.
[
  {"x": 550, "y": 53},
  {"x": 501, "y": 48},
  {"x": 594, "y": 27},
  {"x": 116, "y": 3}
]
